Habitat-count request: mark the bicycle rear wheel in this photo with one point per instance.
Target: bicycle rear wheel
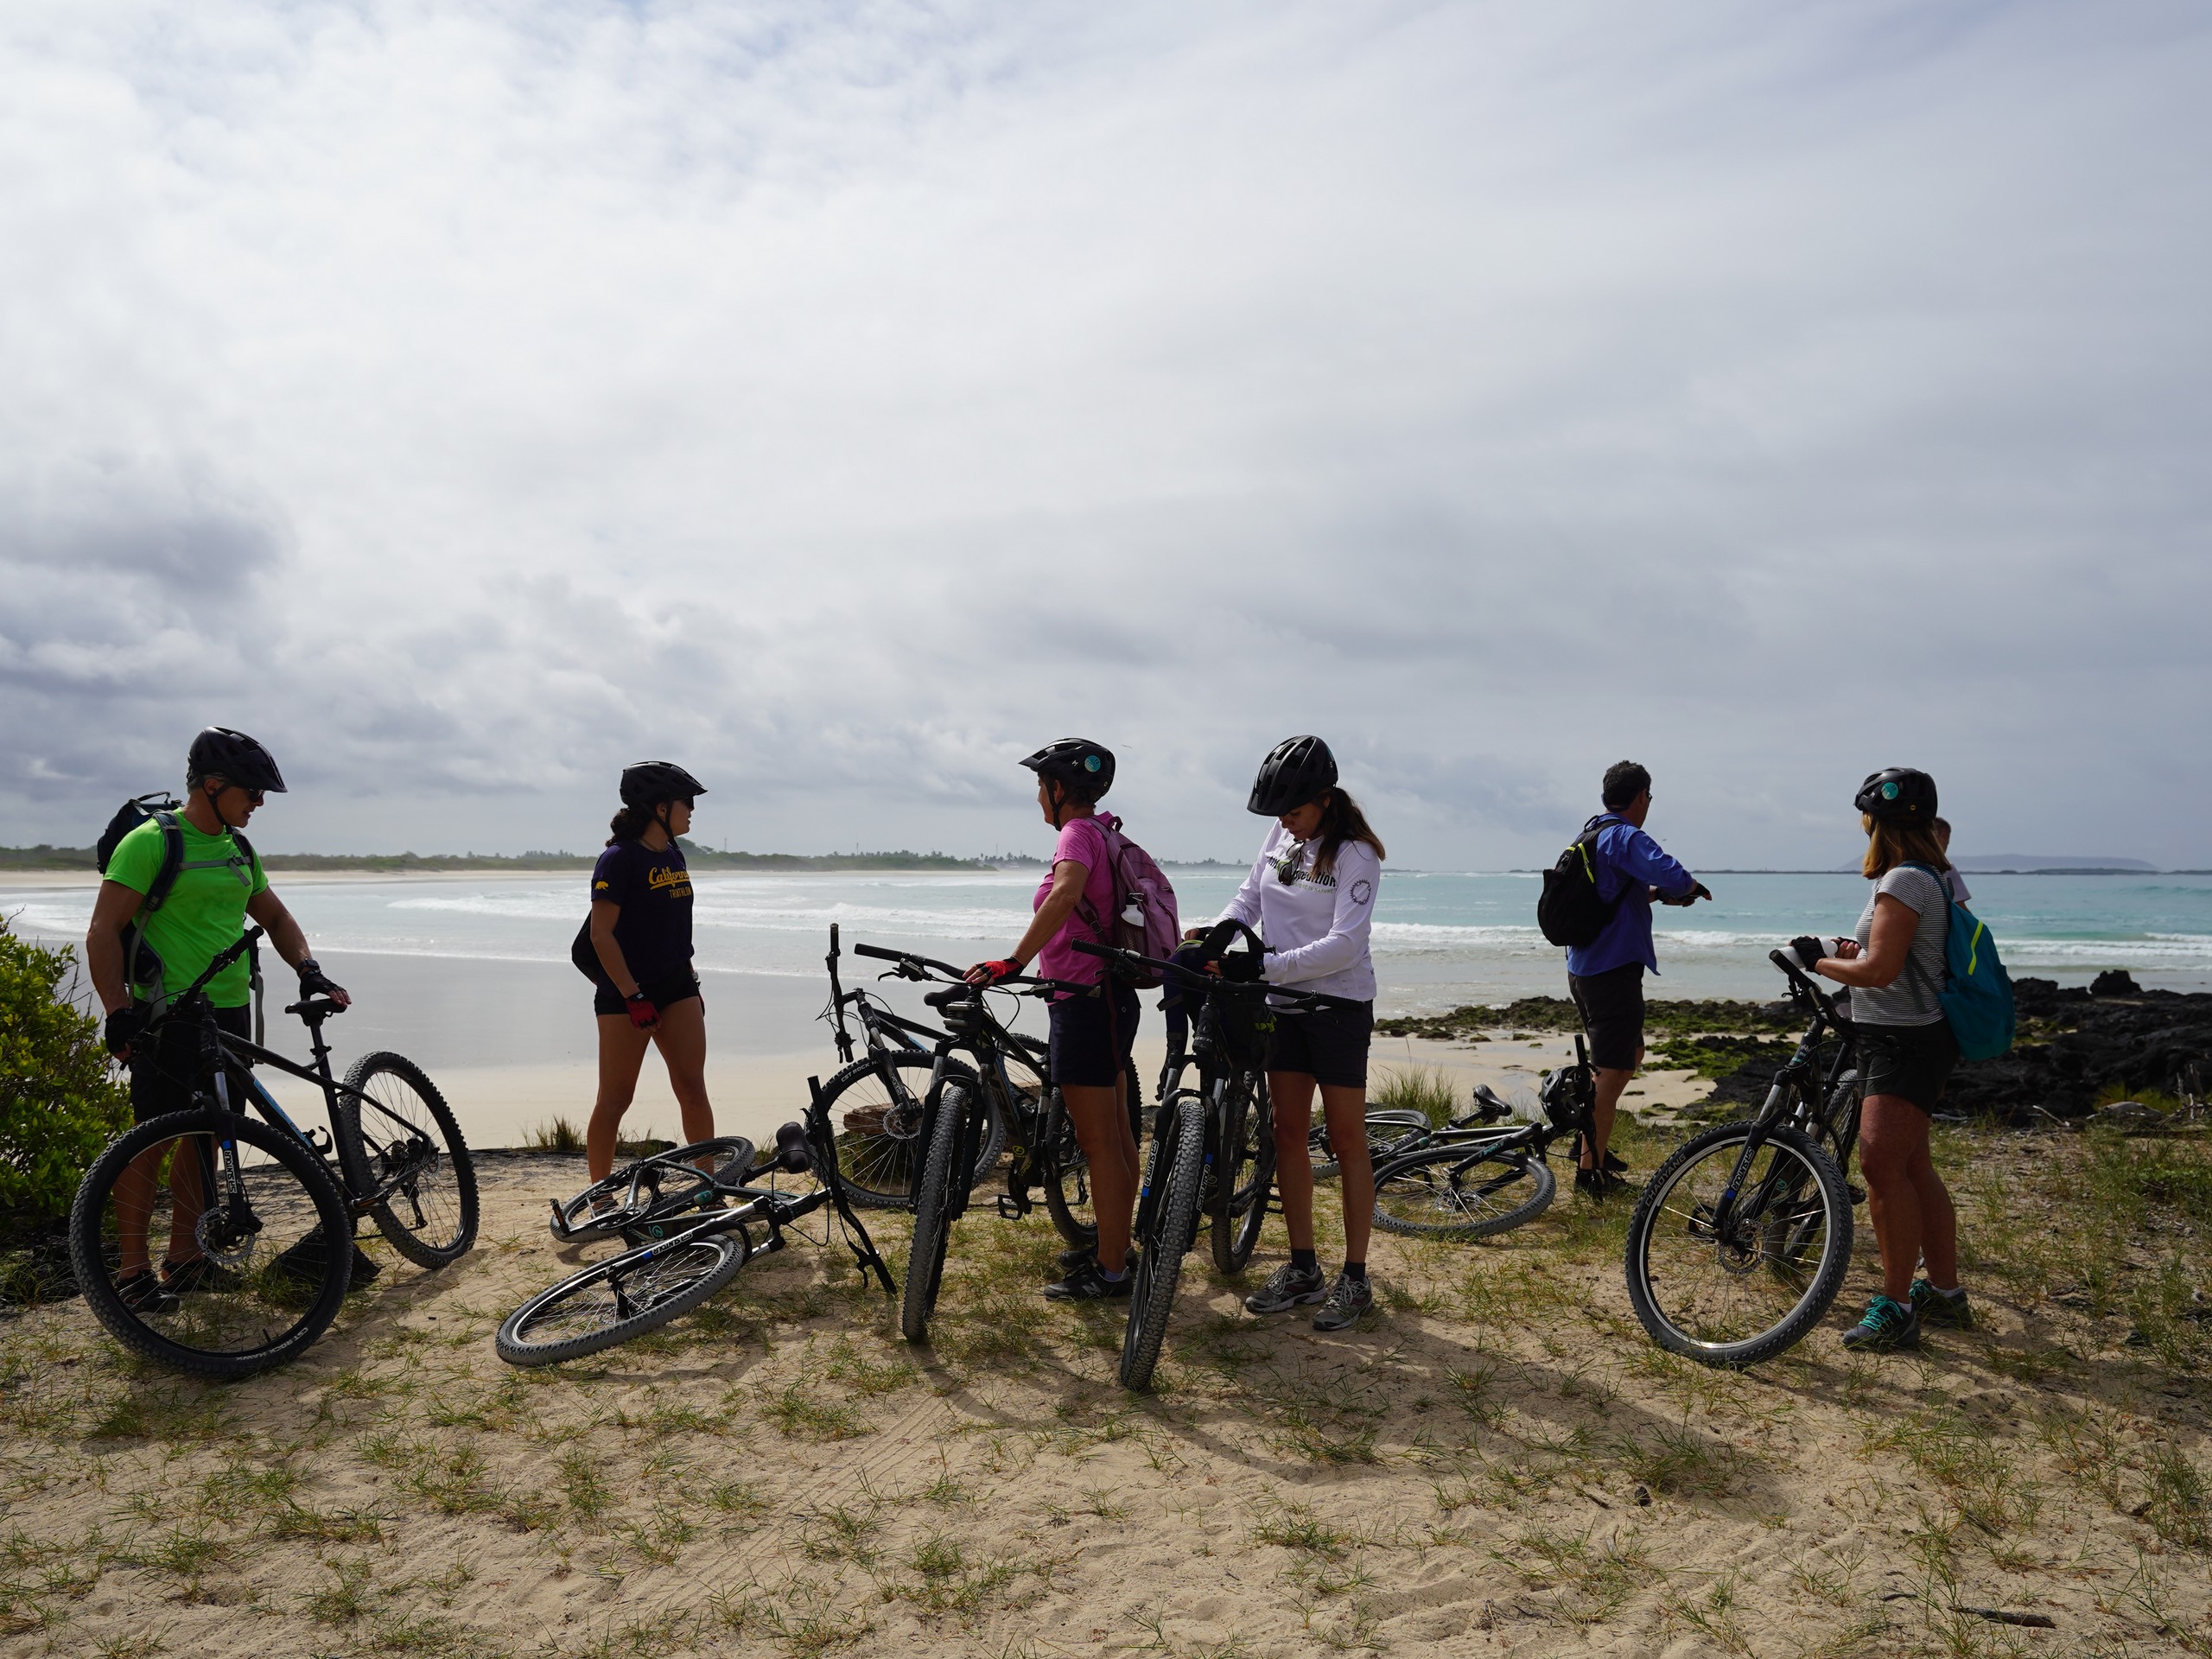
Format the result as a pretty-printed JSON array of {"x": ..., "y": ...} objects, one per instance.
[
  {"x": 879, "y": 1136},
  {"x": 1462, "y": 1192},
  {"x": 398, "y": 1140},
  {"x": 666, "y": 1189},
  {"x": 1243, "y": 1176},
  {"x": 1387, "y": 1129},
  {"x": 1736, "y": 1293},
  {"x": 1175, "y": 1229},
  {"x": 622, "y": 1297},
  {"x": 258, "y": 1273},
  {"x": 933, "y": 1219},
  {"x": 1064, "y": 1173}
]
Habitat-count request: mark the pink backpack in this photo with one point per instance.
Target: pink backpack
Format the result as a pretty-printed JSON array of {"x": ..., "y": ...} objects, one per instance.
[{"x": 1144, "y": 904}]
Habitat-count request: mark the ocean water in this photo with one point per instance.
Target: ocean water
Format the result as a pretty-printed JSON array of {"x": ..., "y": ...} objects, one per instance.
[{"x": 476, "y": 972}]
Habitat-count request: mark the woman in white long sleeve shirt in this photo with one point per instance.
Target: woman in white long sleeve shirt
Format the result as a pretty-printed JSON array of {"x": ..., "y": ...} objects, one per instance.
[{"x": 1310, "y": 898}]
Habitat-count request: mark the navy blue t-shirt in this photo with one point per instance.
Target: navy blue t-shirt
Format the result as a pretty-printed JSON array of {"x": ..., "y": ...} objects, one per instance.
[{"x": 654, "y": 891}]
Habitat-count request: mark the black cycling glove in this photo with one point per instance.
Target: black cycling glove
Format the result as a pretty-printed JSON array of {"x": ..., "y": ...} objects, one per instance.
[
  {"x": 1809, "y": 950},
  {"x": 313, "y": 982},
  {"x": 122, "y": 1029},
  {"x": 1243, "y": 967}
]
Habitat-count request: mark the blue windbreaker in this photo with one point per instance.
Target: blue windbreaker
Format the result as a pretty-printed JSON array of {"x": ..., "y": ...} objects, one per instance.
[{"x": 1627, "y": 858}]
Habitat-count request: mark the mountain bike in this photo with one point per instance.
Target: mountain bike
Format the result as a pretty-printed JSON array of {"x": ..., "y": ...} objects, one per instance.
[
  {"x": 1482, "y": 1174},
  {"x": 265, "y": 1212},
  {"x": 1213, "y": 1147},
  {"x": 956, "y": 1112},
  {"x": 1738, "y": 1245},
  {"x": 876, "y": 1097},
  {"x": 692, "y": 1230}
]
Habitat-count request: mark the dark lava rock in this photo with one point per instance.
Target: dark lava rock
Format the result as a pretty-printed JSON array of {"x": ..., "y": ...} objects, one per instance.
[
  {"x": 2114, "y": 982},
  {"x": 2072, "y": 1047}
]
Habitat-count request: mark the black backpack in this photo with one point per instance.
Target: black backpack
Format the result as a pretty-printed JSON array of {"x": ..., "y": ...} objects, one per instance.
[
  {"x": 142, "y": 964},
  {"x": 1570, "y": 912}
]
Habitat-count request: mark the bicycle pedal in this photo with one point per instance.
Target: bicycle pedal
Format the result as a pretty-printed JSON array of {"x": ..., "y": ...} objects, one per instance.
[{"x": 1010, "y": 1208}]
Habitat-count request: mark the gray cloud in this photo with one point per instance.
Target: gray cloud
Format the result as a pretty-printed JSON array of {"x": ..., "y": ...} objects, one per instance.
[{"x": 847, "y": 400}]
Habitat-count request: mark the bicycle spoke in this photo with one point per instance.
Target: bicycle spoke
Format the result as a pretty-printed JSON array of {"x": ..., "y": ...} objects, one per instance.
[{"x": 1724, "y": 1286}]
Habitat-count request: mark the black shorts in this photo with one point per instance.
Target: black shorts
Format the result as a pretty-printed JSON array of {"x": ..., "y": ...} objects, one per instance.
[
  {"x": 1088, "y": 1050},
  {"x": 165, "y": 1071},
  {"x": 1328, "y": 1044},
  {"x": 663, "y": 993},
  {"x": 1914, "y": 1061},
  {"x": 1612, "y": 1006}
]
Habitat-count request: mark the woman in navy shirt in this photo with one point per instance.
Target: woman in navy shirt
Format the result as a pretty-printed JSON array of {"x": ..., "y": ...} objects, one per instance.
[{"x": 640, "y": 958}]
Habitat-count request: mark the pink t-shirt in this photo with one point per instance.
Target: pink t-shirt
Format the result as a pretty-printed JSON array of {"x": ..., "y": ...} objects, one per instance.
[{"x": 1084, "y": 841}]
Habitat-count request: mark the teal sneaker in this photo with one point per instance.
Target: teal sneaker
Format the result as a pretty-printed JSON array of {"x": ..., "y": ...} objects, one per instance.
[
  {"x": 1935, "y": 1306},
  {"x": 1888, "y": 1325}
]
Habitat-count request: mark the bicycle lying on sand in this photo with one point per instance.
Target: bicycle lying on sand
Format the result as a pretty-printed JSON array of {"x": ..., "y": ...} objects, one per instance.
[
  {"x": 690, "y": 1231},
  {"x": 260, "y": 1216},
  {"x": 1213, "y": 1147},
  {"x": 876, "y": 1098},
  {"x": 952, "y": 1119},
  {"x": 1739, "y": 1243}
]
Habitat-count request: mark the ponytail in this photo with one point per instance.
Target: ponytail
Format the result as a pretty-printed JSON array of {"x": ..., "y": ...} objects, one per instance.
[
  {"x": 629, "y": 824},
  {"x": 1341, "y": 821}
]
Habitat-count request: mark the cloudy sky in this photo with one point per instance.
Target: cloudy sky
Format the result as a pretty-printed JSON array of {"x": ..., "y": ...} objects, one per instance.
[{"x": 844, "y": 399}]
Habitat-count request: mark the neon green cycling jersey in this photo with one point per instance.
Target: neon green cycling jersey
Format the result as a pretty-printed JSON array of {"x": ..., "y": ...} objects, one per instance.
[{"x": 205, "y": 911}]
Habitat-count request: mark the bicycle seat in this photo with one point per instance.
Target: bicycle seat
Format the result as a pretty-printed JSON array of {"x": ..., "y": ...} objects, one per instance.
[
  {"x": 1488, "y": 1107},
  {"x": 792, "y": 1153},
  {"x": 949, "y": 994}
]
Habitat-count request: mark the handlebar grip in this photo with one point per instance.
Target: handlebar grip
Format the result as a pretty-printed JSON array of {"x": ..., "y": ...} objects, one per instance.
[
  {"x": 1088, "y": 948},
  {"x": 880, "y": 953}
]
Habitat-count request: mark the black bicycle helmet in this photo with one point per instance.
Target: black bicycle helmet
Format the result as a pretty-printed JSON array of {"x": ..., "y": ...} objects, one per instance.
[
  {"x": 1297, "y": 770},
  {"x": 219, "y": 752},
  {"x": 1897, "y": 795},
  {"x": 1076, "y": 760},
  {"x": 648, "y": 783}
]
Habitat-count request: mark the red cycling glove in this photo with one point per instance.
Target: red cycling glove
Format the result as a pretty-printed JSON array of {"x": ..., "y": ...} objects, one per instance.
[
  {"x": 643, "y": 1015},
  {"x": 991, "y": 973}
]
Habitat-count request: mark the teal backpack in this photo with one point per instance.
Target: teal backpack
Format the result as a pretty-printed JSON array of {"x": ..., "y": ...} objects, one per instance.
[{"x": 1977, "y": 992}]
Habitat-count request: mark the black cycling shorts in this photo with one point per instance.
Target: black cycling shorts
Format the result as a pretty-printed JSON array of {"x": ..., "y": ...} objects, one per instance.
[
  {"x": 1612, "y": 1006},
  {"x": 1088, "y": 1049},
  {"x": 1328, "y": 1044},
  {"x": 663, "y": 993},
  {"x": 165, "y": 1068},
  {"x": 1913, "y": 1061}
]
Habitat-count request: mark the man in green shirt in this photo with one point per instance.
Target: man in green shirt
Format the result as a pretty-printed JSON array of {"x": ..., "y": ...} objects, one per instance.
[{"x": 219, "y": 884}]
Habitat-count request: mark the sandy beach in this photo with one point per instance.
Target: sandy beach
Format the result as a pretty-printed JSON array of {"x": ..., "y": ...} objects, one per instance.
[{"x": 1496, "y": 1462}]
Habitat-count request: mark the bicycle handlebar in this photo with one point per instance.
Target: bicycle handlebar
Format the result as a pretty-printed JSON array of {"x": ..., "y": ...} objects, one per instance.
[
  {"x": 1794, "y": 971},
  {"x": 1212, "y": 981}
]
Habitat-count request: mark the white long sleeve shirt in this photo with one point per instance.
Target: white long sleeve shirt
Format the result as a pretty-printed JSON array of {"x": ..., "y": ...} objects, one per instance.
[{"x": 1316, "y": 931}]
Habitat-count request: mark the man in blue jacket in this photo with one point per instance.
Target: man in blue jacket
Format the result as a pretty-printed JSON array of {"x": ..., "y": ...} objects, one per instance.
[{"x": 1605, "y": 976}]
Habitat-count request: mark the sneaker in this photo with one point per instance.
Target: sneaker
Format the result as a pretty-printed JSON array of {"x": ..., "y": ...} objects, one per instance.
[
  {"x": 1286, "y": 1286},
  {"x": 142, "y": 1291},
  {"x": 1597, "y": 1185},
  {"x": 1887, "y": 1325},
  {"x": 1087, "y": 1282},
  {"x": 1935, "y": 1306},
  {"x": 1347, "y": 1300},
  {"x": 198, "y": 1274},
  {"x": 303, "y": 1262},
  {"x": 365, "y": 1272},
  {"x": 1070, "y": 1260}
]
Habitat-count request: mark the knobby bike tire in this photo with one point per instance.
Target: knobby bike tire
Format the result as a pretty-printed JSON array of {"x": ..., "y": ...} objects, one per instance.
[
  {"x": 1386, "y": 1129},
  {"x": 1160, "y": 1267},
  {"x": 1066, "y": 1175},
  {"x": 286, "y": 1275},
  {"x": 652, "y": 1205},
  {"x": 1236, "y": 1202},
  {"x": 1736, "y": 1301},
  {"x": 407, "y": 1134},
  {"x": 622, "y": 1297},
  {"x": 879, "y": 1162},
  {"x": 1462, "y": 1192},
  {"x": 932, "y": 1222}
]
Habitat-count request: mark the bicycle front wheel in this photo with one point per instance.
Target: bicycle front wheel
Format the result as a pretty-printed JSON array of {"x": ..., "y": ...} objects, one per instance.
[
  {"x": 238, "y": 1243},
  {"x": 614, "y": 1300},
  {"x": 879, "y": 1151},
  {"x": 1462, "y": 1192},
  {"x": 1242, "y": 1178},
  {"x": 1730, "y": 1284},
  {"x": 1387, "y": 1129},
  {"x": 1175, "y": 1229},
  {"x": 932, "y": 1218},
  {"x": 398, "y": 1143},
  {"x": 1064, "y": 1173}
]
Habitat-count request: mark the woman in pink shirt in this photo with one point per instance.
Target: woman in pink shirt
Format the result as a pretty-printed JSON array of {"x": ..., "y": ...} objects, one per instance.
[{"x": 1091, "y": 1035}]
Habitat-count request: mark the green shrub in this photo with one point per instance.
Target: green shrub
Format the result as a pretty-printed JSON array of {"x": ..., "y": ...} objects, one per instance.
[
  {"x": 59, "y": 1103},
  {"x": 1419, "y": 1089}
]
